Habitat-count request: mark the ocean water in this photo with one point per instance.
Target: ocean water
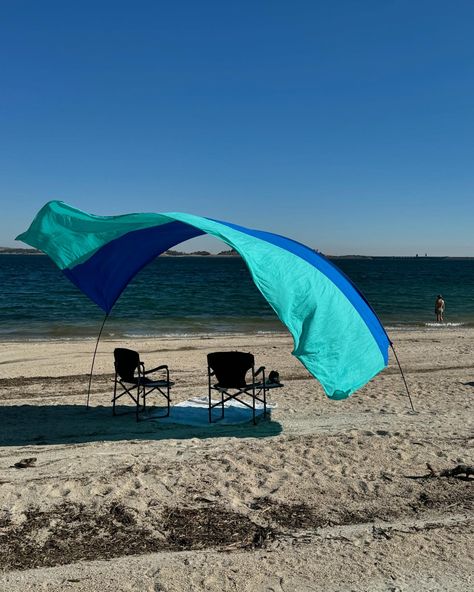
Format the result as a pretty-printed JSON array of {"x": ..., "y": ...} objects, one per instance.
[{"x": 190, "y": 295}]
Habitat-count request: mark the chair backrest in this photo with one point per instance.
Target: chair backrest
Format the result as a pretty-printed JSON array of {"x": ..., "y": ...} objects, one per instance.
[
  {"x": 230, "y": 368},
  {"x": 126, "y": 362}
]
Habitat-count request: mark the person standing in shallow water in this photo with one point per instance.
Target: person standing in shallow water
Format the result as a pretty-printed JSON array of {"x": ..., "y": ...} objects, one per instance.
[{"x": 439, "y": 309}]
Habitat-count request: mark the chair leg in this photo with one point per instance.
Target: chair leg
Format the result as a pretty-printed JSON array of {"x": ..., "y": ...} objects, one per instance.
[
  {"x": 115, "y": 394},
  {"x": 222, "y": 399},
  {"x": 210, "y": 408},
  {"x": 253, "y": 403},
  {"x": 138, "y": 402}
]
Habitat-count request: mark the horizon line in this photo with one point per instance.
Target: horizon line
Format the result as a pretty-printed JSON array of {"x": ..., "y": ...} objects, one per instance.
[{"x": 229, "y": 253}]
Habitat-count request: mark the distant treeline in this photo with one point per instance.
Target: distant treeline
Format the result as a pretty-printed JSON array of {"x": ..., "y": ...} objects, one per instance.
[
  {"x": 233, "y": 253},
  {"x": 229, "y": 253},
  {"x": 18, "y": 251}
]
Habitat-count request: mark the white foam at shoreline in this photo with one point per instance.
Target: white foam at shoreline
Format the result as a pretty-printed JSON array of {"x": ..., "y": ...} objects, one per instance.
[{"x": 441, "y": 325}]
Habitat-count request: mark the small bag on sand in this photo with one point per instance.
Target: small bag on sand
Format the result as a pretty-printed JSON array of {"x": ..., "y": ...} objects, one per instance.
[{"x": 274, "y": 377}]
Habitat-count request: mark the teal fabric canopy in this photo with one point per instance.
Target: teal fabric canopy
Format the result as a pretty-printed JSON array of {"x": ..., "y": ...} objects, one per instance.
[{"x": 337, "y": 336}]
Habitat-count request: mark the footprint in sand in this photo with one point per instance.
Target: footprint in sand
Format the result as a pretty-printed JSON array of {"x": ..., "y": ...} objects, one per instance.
[{"x": 273, "y": 584}]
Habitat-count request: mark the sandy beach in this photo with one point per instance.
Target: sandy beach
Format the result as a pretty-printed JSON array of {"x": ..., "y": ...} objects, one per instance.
[{"x": 322, "y": 497}]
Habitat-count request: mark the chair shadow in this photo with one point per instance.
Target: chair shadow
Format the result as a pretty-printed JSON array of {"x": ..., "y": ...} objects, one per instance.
[
  {"x": 24, "y": 425},
  {"x": 468, "y": 383}
]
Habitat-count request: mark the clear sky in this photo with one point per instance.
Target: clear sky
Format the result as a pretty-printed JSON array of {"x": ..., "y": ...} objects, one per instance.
[{"x": 345, "y": 124}]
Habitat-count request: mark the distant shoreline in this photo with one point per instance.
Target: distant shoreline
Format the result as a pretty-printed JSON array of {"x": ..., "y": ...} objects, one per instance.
[{"x": 19, "y": 251}]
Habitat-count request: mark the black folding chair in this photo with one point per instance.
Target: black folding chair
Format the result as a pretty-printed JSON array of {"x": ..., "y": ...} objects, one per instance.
[
  {"x": 230, "y": 370},
  {"x": 131, "y": 375}
]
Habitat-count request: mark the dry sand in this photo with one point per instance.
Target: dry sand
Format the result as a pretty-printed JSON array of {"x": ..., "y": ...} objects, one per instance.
[{"x": 318, "y": 498}]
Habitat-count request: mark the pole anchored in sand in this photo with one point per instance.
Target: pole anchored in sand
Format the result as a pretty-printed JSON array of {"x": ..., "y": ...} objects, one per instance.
[
  {"x": 403, "y": 376},
  {"x": 93, "y": 359}
]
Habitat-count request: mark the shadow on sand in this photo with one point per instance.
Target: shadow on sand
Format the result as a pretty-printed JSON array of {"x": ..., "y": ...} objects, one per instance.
[{"x": 23, "y": 425}]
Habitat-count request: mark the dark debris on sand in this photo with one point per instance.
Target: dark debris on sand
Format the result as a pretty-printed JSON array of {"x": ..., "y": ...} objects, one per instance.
[
  {"x": 73, "y": 532},
  {"x": 289, "y": 516},
  {"x": 69, "y": 532},
  {"x": 432, "y": 494},
  {"x": 200, "y": 528}
]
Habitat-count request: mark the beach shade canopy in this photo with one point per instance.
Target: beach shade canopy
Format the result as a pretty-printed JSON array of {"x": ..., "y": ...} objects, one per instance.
[{"x": 337, "y": 336}]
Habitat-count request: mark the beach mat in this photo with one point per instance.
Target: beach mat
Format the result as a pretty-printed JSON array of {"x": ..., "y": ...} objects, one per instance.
[{"x": 195, "y": 412}]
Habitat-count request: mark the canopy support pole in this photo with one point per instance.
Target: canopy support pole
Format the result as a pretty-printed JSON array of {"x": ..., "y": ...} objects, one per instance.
[
  {"x": 93, "y": 359},
  {"x": 403, "y": 376}
]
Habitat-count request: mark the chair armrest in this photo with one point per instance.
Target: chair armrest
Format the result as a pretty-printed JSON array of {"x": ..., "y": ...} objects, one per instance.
[
  {"x": 260, "y": 370},
  {"x": 162, "y": 367}
]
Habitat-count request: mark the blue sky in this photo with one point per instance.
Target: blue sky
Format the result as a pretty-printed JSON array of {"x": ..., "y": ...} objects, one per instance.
[{"x": 347, "y": 125}]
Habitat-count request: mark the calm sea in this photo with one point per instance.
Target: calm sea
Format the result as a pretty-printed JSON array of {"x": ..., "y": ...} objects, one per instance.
[{"x": 189, "y": 295}]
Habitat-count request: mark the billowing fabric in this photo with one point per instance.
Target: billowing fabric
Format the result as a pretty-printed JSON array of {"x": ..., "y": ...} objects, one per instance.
[{"x": 336, "y": 334}]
